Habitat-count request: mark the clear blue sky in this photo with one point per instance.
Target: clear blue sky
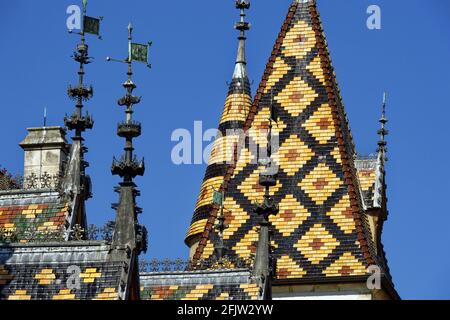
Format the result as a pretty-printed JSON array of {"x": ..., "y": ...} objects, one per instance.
[{"x": 193, "y": 57}]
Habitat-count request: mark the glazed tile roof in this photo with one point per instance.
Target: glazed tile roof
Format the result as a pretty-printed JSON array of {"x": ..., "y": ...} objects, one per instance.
[
  {"x": 199, "y": 285},
  {"x": 235, "y": 111},
  {"x": 42, "y": 211},
  {"x": 321, "y": 230},
  {"x": 50, "y": 272}
]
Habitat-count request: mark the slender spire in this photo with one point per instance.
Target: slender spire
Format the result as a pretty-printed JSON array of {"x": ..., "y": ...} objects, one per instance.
[
  {"x": 240, "y": 75},
  {"x": 379, "y": 192},
  {"x": 383, "y": 132},
  {"x": 76, "y": 181},
  {"x": 130, "y": 238},
  {"x": 128, "y": 167}
]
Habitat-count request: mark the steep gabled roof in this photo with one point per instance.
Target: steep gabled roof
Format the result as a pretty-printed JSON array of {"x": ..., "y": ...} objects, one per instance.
[{"x": 321, "y": 230}]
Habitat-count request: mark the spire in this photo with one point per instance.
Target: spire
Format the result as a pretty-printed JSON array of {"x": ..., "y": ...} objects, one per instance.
[
  {"x": 75, "y": 183},
  {"x": 383, "y": 132},
  {"x": 234, "y": 114},
  {"x": 240, "y": 70},
  {"x": 129, "y": 239},
  {"x": 379, "y": 192}
]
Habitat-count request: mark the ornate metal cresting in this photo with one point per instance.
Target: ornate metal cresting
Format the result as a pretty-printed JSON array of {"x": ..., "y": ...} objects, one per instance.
[
  {"x": 79, "y": 122},
  {"x": 264, "y": 264}
]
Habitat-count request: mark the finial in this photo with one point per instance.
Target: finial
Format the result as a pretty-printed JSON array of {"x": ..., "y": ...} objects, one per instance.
[
  {"x": 240, "y": 71},
  {"x": 45, "y": 117},
  {"x": 383, "y": 132},
  {"x": 130, "y": 29},
  {"x": 129, "y": 167},
  {"x": 85, "y": 3}
]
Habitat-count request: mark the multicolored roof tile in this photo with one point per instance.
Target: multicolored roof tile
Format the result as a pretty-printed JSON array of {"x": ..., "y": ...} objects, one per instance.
[
  {"x": 24, "y": 215},
  {"x": 59, "y": 271},
  {"x": 199, "y": 285},
  {"x": 223, "y": 153},
  {"x": 321, "y": 230}
]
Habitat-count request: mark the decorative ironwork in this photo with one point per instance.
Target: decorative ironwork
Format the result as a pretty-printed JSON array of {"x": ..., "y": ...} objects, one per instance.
[
  {"x": 226, "y": 262},
  {"x": 32, "y": 234},
  {"x": 43, "y": 181},
  {"x": 77, "y": 233},
  {"x": 105, "y": 232},
  {"x": 165, "y": 265}
]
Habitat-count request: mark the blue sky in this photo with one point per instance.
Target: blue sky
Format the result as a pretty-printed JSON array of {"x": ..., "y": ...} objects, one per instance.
[{"x": 193, "y": 58}]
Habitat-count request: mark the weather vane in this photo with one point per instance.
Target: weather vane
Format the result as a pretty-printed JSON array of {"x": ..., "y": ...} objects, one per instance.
[
  {"x": 136, "y": 52},
  {"x": 91, "y": 25},
  {"x": 129, "y": 167}
]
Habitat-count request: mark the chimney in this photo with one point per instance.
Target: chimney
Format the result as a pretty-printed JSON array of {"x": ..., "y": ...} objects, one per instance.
[{"x": 46, "y": 150}]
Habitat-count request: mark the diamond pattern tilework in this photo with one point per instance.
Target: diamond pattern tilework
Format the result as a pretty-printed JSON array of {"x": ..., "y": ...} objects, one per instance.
[
  {"x": 320, "y": 183},
  {"x": 247, "y": 245},
  {"x": 281, "y": 68},
  {"x": 342, "y": 215},
  {"x": 292, "y": 214},
  {"x": 235, "y": 220},
  {"x": 297, "y": 96},
  {"x": 299, "y": 40},
  {"x": 346, "y": 265},
  {"x": 319, "y": 208},
  {"x": 259, "y": 130},
  {"x": 292, "y": 155},
  {"x": 320, "y": 124},
  {"x": 316, "y": 244},
  {"x": 251, "y": 188},
  {"x": 288, "y": 268}
]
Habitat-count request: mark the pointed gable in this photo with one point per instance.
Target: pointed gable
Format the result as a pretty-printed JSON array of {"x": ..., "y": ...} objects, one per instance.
[{"x": 321, "y": 223}]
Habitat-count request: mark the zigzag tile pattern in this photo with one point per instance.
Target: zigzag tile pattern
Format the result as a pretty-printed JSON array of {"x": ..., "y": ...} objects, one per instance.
[{"x": 319, "y": 231}]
